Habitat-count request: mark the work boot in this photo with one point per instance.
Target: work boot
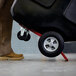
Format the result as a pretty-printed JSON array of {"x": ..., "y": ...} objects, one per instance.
[
  {"x": 6, "y": 52},
  {"x": 12, "y": 56}
]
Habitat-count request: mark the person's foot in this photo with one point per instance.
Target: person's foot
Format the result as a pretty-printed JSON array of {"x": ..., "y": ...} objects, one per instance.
[{"x": 12, "y": 56}]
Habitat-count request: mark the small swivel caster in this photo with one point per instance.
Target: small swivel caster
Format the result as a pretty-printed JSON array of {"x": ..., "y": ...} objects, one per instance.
[{"x": 23, "y": 35}]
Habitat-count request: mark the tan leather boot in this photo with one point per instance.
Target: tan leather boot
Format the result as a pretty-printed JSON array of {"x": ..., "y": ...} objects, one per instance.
[
  {"x": 6, "y": 52},
  {"x": 12, "y": 56}
]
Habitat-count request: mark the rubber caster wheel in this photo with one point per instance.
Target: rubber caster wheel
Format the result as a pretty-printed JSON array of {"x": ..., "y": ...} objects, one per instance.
[
  {"x": 25, "y": 37},
  {"x": 51, "y": 44}
]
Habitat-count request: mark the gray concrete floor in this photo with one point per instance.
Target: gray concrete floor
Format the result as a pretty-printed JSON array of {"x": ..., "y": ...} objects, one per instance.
[{"x": 38, "y": 65}]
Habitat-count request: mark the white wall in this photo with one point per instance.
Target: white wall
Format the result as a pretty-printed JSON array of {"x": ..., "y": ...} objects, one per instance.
[
  {"x": 31, "y": 47},
  {"x": 20, "y": 46}
]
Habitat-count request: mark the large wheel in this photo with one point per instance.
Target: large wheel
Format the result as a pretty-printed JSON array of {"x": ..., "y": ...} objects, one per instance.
[
  {"x": 51, "y": 44},
  {"x": 25, "y": 37}
]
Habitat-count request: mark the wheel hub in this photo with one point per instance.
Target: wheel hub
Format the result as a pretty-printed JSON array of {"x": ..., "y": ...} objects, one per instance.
[{"x": 51, "y": 44}]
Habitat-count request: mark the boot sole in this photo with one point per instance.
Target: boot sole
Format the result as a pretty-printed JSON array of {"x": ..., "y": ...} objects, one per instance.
[{"x": 8, "y": 58}]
